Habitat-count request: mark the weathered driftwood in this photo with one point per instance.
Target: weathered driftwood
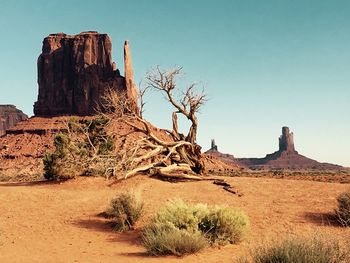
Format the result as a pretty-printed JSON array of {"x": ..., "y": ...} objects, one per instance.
[{"x": 180, "y": 156}]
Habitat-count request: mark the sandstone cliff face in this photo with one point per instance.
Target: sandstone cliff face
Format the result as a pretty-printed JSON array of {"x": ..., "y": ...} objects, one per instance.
[
  {"x": 9, "y": 117},
  {"x": 73, "y": 73}
]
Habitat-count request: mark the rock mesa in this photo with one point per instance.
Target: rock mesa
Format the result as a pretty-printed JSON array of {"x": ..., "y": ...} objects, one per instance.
[{"x": 9, "y": 117}]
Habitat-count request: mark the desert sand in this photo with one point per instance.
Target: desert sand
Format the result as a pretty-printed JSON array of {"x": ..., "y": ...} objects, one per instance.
[{"x": 60, "y": 222}]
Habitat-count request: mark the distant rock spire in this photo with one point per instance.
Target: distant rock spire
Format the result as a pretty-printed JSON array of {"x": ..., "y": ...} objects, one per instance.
[
  {"x": 132, "y": 91},
  {"x": 286, "y": 141},
  {"x": 213, "y": 147}
]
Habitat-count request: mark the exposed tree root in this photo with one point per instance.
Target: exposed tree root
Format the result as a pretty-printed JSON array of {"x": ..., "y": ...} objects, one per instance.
[
  {"x": 177, "y": 158},
  {"x": 227, "y": 187}
]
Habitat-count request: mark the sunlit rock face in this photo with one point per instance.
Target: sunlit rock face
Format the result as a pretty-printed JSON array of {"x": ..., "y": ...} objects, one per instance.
[{"x": 74, "y": 71}]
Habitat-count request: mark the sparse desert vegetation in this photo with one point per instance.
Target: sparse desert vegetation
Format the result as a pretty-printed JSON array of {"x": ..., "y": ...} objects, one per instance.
[
  {"x": 311, "y": 249},
  {"x": 223, "y": 225},
  {"x": 125, "y": 210},
  {"x": 180, "y": 228},
  {"x": 71, "y": 228},
  {"x": 81, "y": 149},
  {"x": 166, "y": 239}
]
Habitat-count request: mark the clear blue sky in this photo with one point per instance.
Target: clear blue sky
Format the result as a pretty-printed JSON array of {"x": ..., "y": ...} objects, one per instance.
[{"x": 264, "y": 64}]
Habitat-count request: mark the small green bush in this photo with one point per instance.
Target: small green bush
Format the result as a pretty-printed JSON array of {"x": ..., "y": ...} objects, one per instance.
[
  {"x": 180, "y": 228},
  {"x": 51, "y": 160},
  {"x": 125, "y": 210},
  {"x": 343, "y": 211},
  {"x": 81, "y": 151},
  {"x": 61, "y": 143},
  {"x": 49, "y": 171},
  {"x": 298, "y": 250},
  {"x": 106, "y": 147}
]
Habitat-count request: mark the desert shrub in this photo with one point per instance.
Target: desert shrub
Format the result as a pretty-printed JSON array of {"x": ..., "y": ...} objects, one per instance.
[
  {"x": 180, "y": 228},
  {"x": 343, "y": 211},
  {"x": 164, "y": 238},
  {"x": 49, "y": 169},
  {"x": 224, "y": 225},
  {"x": 105, "y": 147},
  {"x": 85, "y": 149},
  {"x": 182, "y": 215},
  {"x": 61, "y": 143},
  {"x": 125, "y": 210},
  {"x": 52, "y": 167},
  {"x": 301, "y": 250}
]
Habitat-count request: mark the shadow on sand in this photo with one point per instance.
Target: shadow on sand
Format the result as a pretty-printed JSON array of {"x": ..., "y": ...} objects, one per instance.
[
  {"x": 32, "y": 183},
  {"x": 323, "y": 219},
  {"x": 101, "y": 224}
]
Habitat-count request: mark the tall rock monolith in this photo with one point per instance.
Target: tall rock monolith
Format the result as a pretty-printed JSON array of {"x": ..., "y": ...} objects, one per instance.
[
  {"x": 286, "y": 141},
  {"x": 213, "y": 147},
  {"x": 131, "y": 88}
]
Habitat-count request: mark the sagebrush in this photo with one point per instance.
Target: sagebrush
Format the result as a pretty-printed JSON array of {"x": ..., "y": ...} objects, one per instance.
[
  {"x": 223, "y": 225},
  {"x": 180, "y": 228},
  {"x": 165, "y": 239},
  {"x": 313, "y": 249},
  {"x": 125, "y": 210}
]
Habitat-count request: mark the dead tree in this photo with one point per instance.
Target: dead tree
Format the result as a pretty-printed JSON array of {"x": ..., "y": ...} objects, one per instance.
[
  {"x": 120, "y": 141},
  {"x": 179, "y": 156}
]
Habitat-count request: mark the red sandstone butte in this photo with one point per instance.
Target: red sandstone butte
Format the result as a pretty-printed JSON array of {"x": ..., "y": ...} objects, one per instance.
[{"x": 74, "y": 71}]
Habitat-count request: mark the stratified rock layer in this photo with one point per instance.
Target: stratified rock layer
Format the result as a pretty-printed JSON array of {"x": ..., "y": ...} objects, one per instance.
[
  {"x": 9, "y": 117},
  {"x": 74, "y": 71}
]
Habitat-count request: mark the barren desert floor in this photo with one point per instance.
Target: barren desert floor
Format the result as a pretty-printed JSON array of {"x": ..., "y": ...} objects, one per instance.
[{"x": 45, "y": 222}]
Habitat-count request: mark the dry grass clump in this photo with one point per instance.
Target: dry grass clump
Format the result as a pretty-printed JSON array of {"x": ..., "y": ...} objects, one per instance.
[
  {"x": 19, "y": 175},
  {"x": 180, "y": 228},
  {"x": 125, "y": 210},
  {"x": 313, "y": 249},
  {"x": 164, "y": 238},
  {"x": 343, "y": 211},
  {"x": 224, "y": 225}
]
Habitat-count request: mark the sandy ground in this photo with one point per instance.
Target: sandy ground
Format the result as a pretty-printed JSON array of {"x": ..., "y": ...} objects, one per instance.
[{"x": 59, "y": 222}]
